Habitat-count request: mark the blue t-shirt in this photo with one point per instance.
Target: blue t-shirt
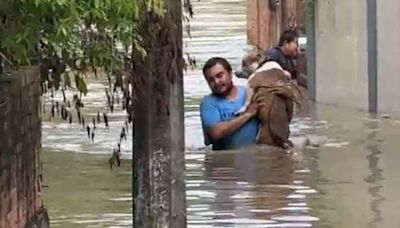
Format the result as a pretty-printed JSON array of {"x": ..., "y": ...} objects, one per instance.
[{"x": 214, "y": 109}]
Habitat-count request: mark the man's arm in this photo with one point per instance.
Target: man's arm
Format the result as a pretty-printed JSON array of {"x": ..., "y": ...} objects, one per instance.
[
  {"x": 218, "y": 129},
  {"x": 226, "y": 128}
]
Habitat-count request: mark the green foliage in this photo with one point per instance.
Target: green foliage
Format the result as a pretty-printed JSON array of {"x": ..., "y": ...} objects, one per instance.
[{"x": 71, "y": 36}]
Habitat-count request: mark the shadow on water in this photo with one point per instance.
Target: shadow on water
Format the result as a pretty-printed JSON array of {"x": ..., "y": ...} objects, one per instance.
[{"x": 349, "y": 181}]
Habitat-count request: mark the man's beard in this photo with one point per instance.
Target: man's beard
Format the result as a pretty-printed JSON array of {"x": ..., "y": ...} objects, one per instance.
[{"x": 226, "y": 92}]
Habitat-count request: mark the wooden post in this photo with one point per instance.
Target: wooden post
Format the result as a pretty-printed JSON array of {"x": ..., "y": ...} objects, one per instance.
[
  {"x": 292, "y": 14},
  {"x": 252, "y": 22},
  {"x": 262, "y": 29},
  {"x": 267, "y": 24},
  {"x": 288, "y": 13},
  {"x": 301, "y": 16},
  {"x": 159, "y": 163}
]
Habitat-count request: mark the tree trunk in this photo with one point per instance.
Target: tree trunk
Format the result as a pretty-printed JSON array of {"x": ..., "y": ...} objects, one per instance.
[{"x": 159, "y": 164}]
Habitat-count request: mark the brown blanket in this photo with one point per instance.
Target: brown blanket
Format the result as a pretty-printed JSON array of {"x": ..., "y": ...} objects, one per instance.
[{"x": 275, "y": 116}]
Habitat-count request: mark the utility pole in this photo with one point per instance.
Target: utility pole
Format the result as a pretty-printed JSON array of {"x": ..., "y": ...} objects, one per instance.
[{"x": 158, "y": 153}]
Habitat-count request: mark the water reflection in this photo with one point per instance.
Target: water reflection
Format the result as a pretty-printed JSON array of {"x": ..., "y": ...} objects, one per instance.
[
  {"x": 357, "y": 180},
  {"x": 376, "y": 174},
  {"x": 254, "y": 188},
  {"x": 82, "y": 192}
]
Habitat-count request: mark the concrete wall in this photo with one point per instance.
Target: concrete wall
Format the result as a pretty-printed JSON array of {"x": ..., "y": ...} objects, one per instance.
[
  {"x": 341, "y": 53},
  {"x": 348, "y": 72},
  {"x": 20, "y": 168},
  {"x": 342, "y": 67},
  {"x": 388, "y": 16}
]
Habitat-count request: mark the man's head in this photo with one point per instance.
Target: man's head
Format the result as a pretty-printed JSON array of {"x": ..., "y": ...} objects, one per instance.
[
  {"x": 218, "y": 73},
  {"x": 289, "y": 43}
]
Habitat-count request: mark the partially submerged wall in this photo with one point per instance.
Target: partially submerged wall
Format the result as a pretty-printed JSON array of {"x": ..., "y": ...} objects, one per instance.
[
  {"x": 388, "y": 42},
  {"x": 341, "y": 53},
  {"x": 357, "y": 46}
]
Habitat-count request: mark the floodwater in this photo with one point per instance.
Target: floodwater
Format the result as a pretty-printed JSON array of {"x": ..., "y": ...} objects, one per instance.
[{"x": 352, "y": 180}]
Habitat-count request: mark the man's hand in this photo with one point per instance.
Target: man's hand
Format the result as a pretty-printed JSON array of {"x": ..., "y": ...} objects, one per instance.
[
  {"x": 281, "y": 90},
  {"x": 256, "y": 103},
  {"x": 251, "y": 109},
  {"x": 226, "y": 128}
]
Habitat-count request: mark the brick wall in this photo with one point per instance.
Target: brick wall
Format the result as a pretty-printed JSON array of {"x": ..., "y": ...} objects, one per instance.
[{"x": 20, "y": 143}]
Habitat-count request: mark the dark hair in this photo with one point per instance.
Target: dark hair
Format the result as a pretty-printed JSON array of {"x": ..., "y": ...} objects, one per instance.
[
  {"x": 287, "y": 36},
  {"x": 214, "y": 61}
]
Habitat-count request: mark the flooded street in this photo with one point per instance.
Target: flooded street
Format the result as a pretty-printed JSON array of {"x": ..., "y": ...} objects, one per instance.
[{"x": 350, "y": 181}]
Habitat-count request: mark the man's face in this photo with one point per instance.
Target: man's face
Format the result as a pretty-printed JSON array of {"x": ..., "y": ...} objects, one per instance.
[
  {"x": 219, "y": 80},
  {"x": 292, "y": 48}
]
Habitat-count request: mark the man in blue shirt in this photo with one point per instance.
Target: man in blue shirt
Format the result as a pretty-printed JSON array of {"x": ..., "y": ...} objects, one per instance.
[{"x": 221, "y": 126}]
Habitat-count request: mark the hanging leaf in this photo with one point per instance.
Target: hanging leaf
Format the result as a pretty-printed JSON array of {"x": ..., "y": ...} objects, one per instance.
[
  {"x": 80, "y": 84},
  {"x": 67, "y": 80},
  {"x": 56, "y": 78},
  {"x": 118, "y": 78},
  {"x": 65, "y": 55}
]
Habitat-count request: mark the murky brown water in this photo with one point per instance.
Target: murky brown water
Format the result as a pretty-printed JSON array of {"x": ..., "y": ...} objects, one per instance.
[{"x": 350, "y": 181}]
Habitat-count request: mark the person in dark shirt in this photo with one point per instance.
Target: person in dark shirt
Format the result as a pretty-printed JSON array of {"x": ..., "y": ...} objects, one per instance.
[{"x": 285, "y": 54}]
